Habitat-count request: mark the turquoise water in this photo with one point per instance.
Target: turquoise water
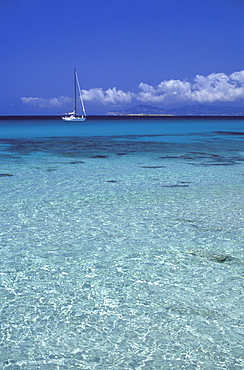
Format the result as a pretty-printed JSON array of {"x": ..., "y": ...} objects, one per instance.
[{"x": 122, "y": 244}]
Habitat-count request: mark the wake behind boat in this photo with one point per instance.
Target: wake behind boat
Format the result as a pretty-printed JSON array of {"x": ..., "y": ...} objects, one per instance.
[{"x": 73, "y": 116}]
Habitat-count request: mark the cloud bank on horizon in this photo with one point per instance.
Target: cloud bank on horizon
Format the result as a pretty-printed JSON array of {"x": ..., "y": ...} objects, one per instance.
[{"x": 216, "y": 87}]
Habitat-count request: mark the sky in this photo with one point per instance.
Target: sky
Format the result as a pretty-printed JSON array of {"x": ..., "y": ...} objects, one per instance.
[{"x": 127, "y": 52}]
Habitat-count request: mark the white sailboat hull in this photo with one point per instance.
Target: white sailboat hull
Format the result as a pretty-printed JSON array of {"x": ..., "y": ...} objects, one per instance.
[{"x": 73, "y": 119}]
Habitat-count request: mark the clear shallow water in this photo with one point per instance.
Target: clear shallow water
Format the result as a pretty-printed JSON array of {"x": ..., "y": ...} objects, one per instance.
[{"x": 122, "y": 250}]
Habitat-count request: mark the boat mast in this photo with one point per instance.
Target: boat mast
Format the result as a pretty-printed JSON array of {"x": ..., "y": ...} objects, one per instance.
[{"x": 75, "y": 88}]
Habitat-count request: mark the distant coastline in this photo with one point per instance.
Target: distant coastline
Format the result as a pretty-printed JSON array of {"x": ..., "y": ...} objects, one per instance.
[
  {"x": 123, "y": 117},
  {"x": 152, "y": 112},
  {"x": 188, "y": 110},
  {"x": 149, "y": 114}
]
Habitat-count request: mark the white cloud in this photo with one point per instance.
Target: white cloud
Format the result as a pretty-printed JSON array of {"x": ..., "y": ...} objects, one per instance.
[
  {"x": 166, "y": 92},
  {"x": 216, "y": 87},
  {"x": 47, "y": 103},
  {"x": 109, "y": 96}
]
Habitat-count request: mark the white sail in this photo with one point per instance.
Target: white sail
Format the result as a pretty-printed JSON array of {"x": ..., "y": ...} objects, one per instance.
[{"x": 80, "y": 95}]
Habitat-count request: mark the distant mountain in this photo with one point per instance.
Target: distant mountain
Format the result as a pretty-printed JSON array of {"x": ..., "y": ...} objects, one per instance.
[
  {"x": 140, "y": 109},
  {"x": 209, "y": 110},
  {"x": 192, "y": 110}
]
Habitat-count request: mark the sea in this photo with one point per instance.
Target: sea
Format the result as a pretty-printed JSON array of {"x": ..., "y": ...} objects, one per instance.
[{"x": 122, "y": 243}]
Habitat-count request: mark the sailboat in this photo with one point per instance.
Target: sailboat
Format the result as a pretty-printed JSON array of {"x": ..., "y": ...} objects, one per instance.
[{"x": 72, "y": 116}]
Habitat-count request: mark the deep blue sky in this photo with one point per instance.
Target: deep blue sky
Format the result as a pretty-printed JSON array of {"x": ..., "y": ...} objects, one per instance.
[{"x": 127, "y": 52}]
